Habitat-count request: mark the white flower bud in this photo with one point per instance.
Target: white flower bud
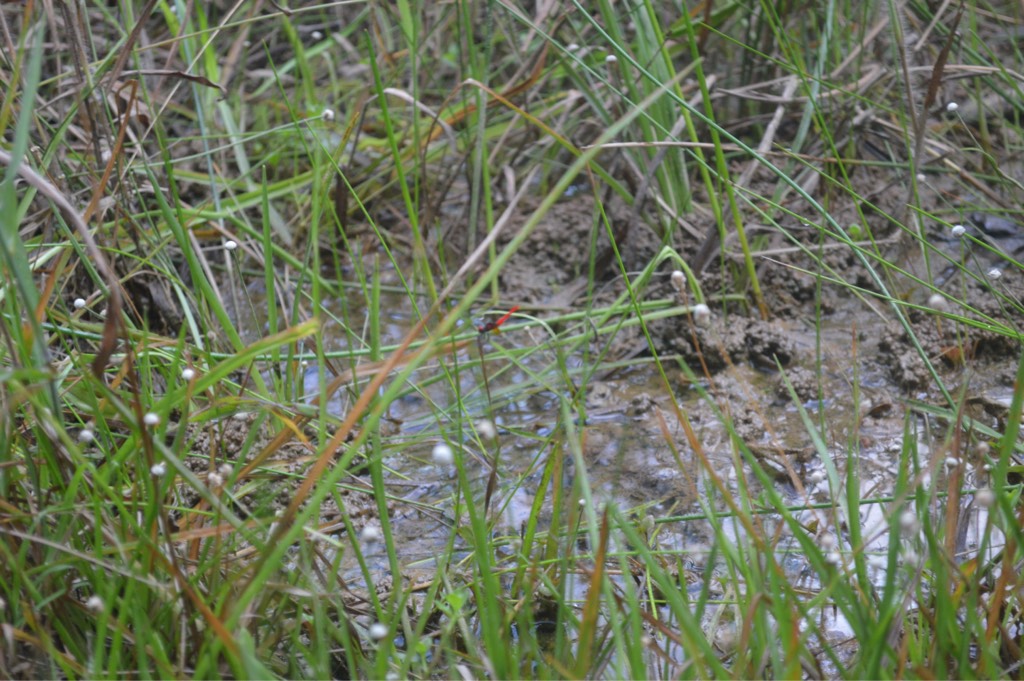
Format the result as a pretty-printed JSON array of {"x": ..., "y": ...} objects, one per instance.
[
  {"x": 442, "y": 454},
  {"x": 701, "y": 315},
  {"x": 486, "y": 429}
]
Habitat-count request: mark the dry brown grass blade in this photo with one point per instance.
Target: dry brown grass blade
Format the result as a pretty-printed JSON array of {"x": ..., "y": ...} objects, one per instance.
[
  {"x": 52, "y": 275},
  {"x": 126, "y": 49},
  {"x": 112, "y": 323},
  {"x": 47, "y": 189},
  {"x": 214, "y": 622},
  {"x": 383, "y": 367},
  {"x": 176, "y": 73},
  {"x": 592, "y": 608},
  {"x": 42, "y": 643},
  {"x": 919, "y": 120},
  {"x": 357, "y": 411},
  {"x": 940, "y": 62},
  {"x": 954, "y": 484},
  {"x": 294, "y": 427}
]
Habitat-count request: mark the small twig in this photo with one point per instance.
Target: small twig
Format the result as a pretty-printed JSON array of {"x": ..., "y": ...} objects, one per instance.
[{"x": 283, "y": 10}]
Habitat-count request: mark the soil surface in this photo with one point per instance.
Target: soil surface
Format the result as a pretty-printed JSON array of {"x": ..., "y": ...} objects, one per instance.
[
  {"x": 827, "y": 355},
  {"x": 836, "y": 351}
]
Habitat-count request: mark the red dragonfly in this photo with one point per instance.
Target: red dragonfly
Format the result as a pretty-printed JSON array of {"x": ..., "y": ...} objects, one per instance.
[{"x": 493, "y": 326}]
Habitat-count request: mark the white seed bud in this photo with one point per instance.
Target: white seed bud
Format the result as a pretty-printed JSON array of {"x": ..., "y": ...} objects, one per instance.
[
  {"x": 95, "y": 603},
  {"x": 701, "y": 315},
  {"x": 86, "y": 435},
  {"x": 214, "y": 480},
  {"x": 442, "y": 454},
  {"x": 921, "y": 177},
  {"x": 937, "y": 302},
  {"x": 952, "y": 106},
  {"x": 952, "y": 462},
  {"x": 151, "y": 419},
  {"x": 317, "y": 35},
  {"x": 378, "y": 631},
  {"x": 328, "y": 114},
  {"x": 188, "y": 373},
  {"x": 678, "y": 280},
  {"x": 225, "y": 470},
  {"x": 159, "y": 469},
  {"x": 611, "y": 59},
  {"x": 230, "y": 245},
  {"x": 486, "y": 429},
  {"x": 369, "y": 535},
  {"x": 995, "y": 273},
  {"x": 959, "y": 230},
  {"x": 79, "y": 303}
]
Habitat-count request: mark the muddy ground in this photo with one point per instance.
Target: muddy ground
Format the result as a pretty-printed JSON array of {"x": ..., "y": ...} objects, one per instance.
[
  {"x": 854, "y": 337},
  {"x": 835, "y": 350}
]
